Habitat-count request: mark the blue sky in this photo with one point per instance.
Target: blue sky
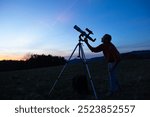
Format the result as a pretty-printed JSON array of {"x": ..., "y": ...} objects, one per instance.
[{"x": 46, "y": 26}]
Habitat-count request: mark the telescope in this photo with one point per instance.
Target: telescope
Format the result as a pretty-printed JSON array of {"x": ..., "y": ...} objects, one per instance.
[
  {"x": 81, "y": 55},
  {"x": 83, "y": 33}
]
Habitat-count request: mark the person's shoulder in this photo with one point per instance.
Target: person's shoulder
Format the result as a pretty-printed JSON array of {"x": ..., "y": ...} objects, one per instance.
[{"x": 111, "y": 44}]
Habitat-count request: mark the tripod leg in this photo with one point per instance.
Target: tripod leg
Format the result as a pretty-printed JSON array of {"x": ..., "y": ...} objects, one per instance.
[
  {"x": 87, "y": 68},
  {"x": 62, "y": 70}
]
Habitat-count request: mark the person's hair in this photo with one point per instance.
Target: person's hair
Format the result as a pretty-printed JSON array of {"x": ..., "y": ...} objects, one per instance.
[{"x": 107, "y": 37}]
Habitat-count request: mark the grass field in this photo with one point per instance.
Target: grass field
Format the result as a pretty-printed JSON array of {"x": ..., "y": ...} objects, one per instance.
[{"x": 35, "y": 84}]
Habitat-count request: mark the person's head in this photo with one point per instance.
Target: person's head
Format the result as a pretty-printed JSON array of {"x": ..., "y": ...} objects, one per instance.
[{"x": 106, "y": 38}]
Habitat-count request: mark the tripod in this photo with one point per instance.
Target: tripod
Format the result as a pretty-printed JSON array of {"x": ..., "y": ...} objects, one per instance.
[{"x": 82, "y": 57}]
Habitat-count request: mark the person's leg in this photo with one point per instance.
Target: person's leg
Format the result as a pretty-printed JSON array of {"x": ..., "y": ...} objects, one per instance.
[{"x": 113, "y": 82}]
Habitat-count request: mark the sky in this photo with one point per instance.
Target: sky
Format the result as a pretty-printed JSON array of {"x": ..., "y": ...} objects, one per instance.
[{"x": 46, "y": 26}]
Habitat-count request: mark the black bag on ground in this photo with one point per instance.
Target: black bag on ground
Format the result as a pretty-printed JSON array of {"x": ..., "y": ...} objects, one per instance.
[{"x": 80, "y": 84}]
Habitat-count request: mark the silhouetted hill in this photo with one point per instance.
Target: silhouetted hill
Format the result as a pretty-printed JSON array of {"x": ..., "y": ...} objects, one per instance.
[
  {"x": 38, "y": 61},
  {"x": 35, "y": 61},
  {"x": 144, "y": 54}
]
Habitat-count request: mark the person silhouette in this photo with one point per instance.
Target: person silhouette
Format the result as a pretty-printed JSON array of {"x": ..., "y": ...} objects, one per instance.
[{"x": 112, "y": 57}]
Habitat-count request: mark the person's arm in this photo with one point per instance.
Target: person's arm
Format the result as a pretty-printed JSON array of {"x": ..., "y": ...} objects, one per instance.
[{"x": 93, "y": 49}]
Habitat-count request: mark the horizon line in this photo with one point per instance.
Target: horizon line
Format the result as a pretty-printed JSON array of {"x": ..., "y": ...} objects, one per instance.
[{"x": 88, "y": 56}]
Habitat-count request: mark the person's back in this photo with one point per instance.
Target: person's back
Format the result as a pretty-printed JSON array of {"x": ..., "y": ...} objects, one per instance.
[{"x": 110, "y": 52}]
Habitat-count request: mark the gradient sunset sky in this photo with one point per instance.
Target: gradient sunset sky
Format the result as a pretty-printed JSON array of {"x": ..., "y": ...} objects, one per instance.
[{"x": 46, "y": 26}]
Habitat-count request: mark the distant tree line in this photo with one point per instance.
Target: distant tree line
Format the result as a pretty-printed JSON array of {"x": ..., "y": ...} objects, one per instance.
[{"x": 34, "y": 61}]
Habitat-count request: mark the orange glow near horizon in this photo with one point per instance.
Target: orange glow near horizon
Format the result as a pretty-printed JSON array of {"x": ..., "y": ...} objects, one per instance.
[
  {"x": 11, "y": 57},
  {"x": 27, "y": 55}
]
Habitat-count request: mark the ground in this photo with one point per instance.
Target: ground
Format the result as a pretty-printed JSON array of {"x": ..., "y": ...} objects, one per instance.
[{"x": 35, "y": 84}]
